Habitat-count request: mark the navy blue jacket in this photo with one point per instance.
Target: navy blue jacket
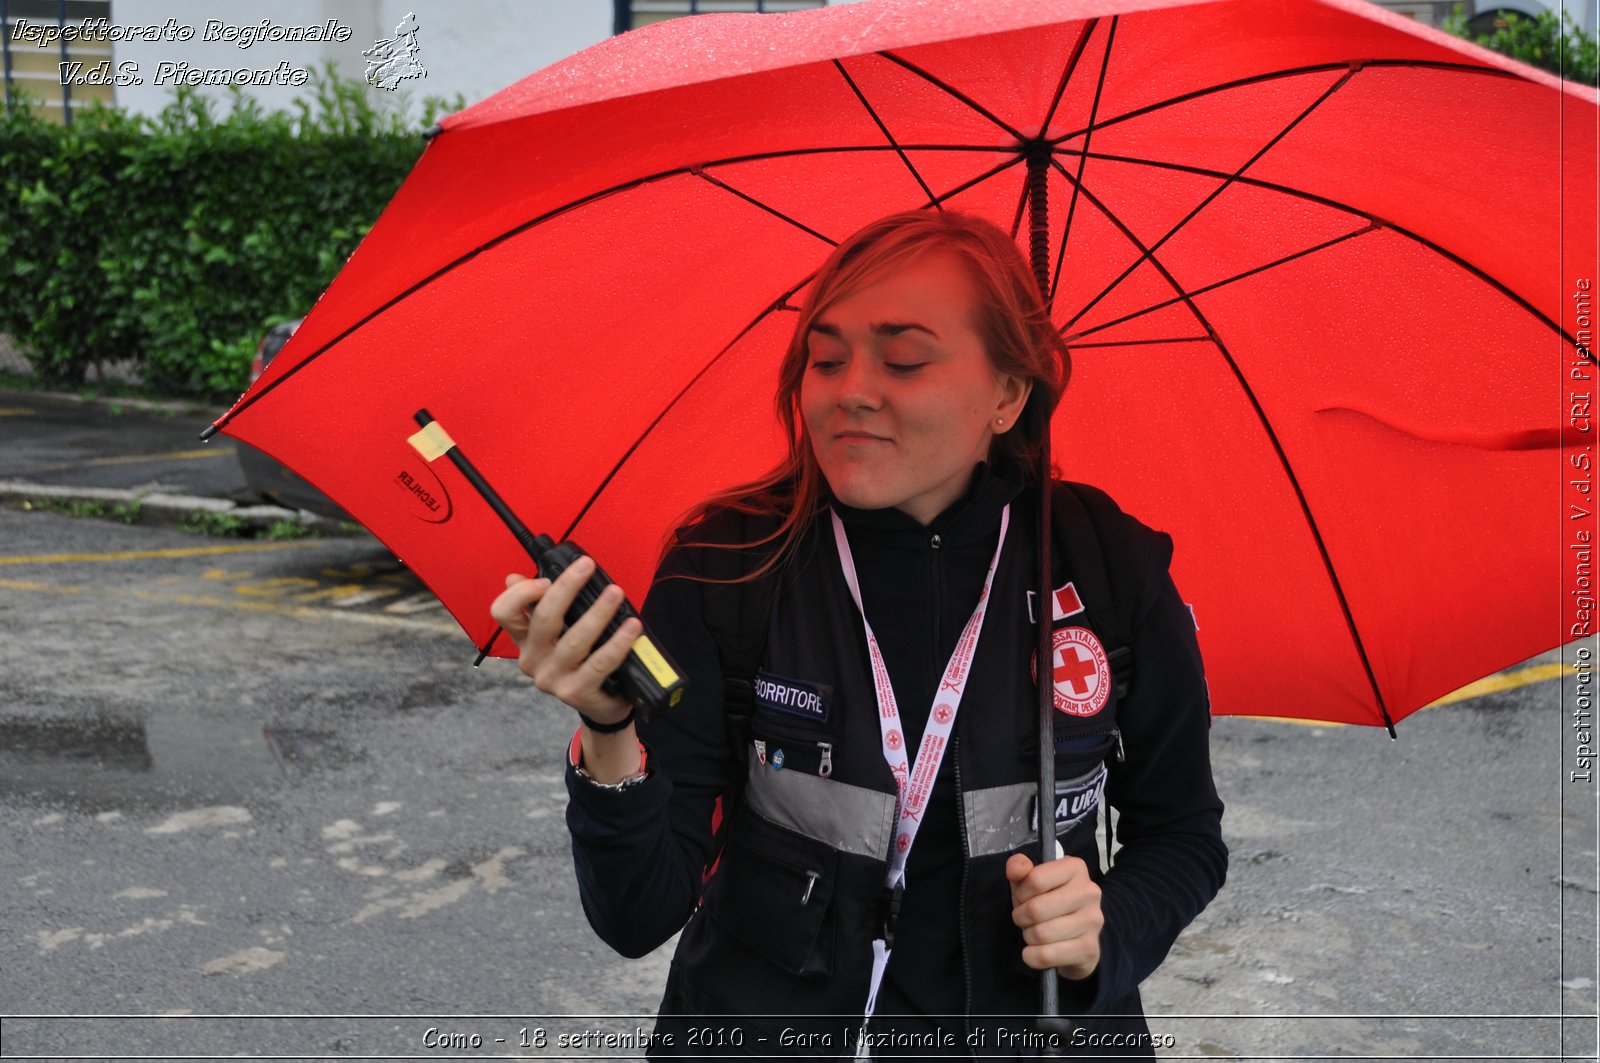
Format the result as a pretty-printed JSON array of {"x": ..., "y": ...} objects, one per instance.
[{"x": 781, "y": 935}]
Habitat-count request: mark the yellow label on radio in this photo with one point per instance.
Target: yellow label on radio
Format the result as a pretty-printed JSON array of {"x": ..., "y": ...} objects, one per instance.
[{"x": 653, "y": 660}]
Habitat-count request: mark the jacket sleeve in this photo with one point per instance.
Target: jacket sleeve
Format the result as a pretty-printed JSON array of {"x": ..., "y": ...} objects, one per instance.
[
  {"x": 641, "y": 854},
  {"x": 1172, "y": 859}
]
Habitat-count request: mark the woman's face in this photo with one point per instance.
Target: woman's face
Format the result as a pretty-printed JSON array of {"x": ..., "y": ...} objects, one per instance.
[{"x": 899, "y": 397}]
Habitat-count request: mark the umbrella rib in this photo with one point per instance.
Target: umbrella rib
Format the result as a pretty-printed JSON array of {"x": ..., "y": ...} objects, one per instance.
[
  {"x": 1350, "y": 66},
  {"x": 700, "y": 172},
  {"x": 1369, "y": 227},
  {"x": 954, "y": 93},
  {"x": 1072, "y": 203},
  {"x": 1376, "y": 222},
  {"x": 1022, "y": 205},
  {"x": 251, "y": 399},
  {"x": 1144, "y": 343},
  {"x": 884, "y": 129},
  {"x": 1277, "y": 446},
  {"x": 1014, "y": 160},
  {"x": 779, "y": 304},
  {"x": 1072, "y": 68},
  {"x": 1213, "y": 194}
]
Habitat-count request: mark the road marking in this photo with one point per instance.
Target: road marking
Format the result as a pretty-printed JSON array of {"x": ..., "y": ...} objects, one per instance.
[
  {"x": 354, "y": 594},
  {"x": 145, "y": 555},
  {"x": 303, "y": 612},
  {"x": 414, "y": 603},
  {"x": 15, "y": 411},
  {"x": 1490, "y": 684},
  {"x": 177, "y": 455},
  {"x": 1503, "y": 681}
]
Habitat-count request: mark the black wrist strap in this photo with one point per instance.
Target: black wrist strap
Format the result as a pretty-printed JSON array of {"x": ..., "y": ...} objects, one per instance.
[{"x": 608, "y": 728}]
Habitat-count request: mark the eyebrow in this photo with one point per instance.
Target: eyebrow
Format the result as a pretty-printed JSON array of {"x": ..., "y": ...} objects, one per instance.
[{"x": 882, "y": 328}]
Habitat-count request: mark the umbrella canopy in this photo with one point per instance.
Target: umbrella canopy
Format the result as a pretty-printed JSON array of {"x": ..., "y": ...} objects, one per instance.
[{"x": 1314, "y": 263}]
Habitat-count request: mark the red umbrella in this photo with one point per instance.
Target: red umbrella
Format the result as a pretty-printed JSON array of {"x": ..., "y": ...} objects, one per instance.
[{"x": 1317, "y": 266}]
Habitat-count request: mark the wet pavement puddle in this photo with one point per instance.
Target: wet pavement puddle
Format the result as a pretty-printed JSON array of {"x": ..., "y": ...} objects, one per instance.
[{"x": 102, "y": 764}]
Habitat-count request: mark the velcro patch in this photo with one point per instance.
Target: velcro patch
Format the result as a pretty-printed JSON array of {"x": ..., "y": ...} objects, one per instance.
[
  {"x": 1064, "y": 603},
  {"x": 1076, "y": 799},
  {"x": 793, "y": 696}
]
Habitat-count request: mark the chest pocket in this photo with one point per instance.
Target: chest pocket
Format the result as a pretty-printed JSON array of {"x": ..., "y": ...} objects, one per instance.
[
  {"x": 792, "y": 726},
  {"x": 1081, "y": 773},
  {"x": 773, "y": 892}
]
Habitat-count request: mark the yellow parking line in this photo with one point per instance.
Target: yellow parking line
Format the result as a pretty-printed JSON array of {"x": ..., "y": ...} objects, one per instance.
[
  {"x": 1491, "y": 684},
  {"x": 145, "y": 555},
  {"x": 1502, "y": 681},
  {"x": 177, "y": 455},
  {"x": 15, "y": 411}
]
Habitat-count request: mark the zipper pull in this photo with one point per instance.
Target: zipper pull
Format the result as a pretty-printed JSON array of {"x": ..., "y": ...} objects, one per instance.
[
  {"x": 1116, "y": 732},
  {"x": 936, "y": 542},
  {"x": 811, "y": 881},
  {"x": 825, "y": 769}
]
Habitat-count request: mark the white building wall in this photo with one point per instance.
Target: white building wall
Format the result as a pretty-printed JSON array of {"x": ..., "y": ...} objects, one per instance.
[
  {"x": 470, "y": 47},
  {"x": 1585, "y": 12}
]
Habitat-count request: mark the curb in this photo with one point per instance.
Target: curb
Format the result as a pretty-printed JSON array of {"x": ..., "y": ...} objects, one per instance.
[
  {"x": 68, "y": 398},
  {"x": 164, "y": 508}
]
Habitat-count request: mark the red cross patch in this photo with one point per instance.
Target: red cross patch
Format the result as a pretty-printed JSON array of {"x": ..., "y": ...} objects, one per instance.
[{"x": 1081, "y": 671}]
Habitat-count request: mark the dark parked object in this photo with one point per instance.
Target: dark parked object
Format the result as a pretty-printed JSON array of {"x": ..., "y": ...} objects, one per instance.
[{"x": 267, "y": 475}]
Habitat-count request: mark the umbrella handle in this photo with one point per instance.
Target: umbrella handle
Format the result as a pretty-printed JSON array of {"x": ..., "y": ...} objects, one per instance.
[
  {"x": 1056, "y": 1027},
  {"x": 1057, "y": 1031}
]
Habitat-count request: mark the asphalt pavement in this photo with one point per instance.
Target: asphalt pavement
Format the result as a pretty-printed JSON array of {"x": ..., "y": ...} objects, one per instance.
[
  {"x": 254, "y": 799},
  {"x": 63, "y": 449}
]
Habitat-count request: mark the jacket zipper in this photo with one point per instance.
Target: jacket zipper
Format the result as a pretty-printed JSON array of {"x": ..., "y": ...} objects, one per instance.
[
  {"x": 966, "y": 863},
  {"x": 795, "y": 739},
  {"x": 936, "y": 577}
]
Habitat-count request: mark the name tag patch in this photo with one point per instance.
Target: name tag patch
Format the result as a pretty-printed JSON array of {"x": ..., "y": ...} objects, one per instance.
[
  {"x": 1076, "y": 799},
  {"x": 793, "y": 696}
]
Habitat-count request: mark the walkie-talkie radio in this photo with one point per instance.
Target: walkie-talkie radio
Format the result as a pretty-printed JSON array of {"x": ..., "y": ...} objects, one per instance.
[{"x": 647, "y": 676}]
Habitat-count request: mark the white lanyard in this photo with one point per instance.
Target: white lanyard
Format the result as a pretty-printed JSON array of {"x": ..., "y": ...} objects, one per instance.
[{"x": 913, "y": 782}]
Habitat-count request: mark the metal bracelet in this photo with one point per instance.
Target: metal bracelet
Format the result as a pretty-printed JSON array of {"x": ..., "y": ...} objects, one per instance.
[{"x": 616, "y": 787}]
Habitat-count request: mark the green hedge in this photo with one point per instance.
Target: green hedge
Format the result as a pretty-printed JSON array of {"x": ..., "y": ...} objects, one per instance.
[
  {"x": 176, "y": 240},
  {"x": 1552, "y": 41}
]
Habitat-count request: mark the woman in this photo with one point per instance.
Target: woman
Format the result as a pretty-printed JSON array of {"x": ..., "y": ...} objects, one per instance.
[{"x": 897, "y": 545}]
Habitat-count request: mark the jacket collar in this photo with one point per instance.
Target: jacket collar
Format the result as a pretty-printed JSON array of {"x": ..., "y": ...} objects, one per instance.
[{"x": 969, "y": 519}]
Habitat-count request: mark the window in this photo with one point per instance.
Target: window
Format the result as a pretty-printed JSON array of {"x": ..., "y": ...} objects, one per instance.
[
  {"x": 631, "y": 14},
  {"x": 52, "y": 50}
]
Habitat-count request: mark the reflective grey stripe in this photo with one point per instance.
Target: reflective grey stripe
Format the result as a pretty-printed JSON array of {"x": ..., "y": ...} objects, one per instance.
[
  {"x": 1000, "y": 819},
  {"x": 851, "y": 819}
]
